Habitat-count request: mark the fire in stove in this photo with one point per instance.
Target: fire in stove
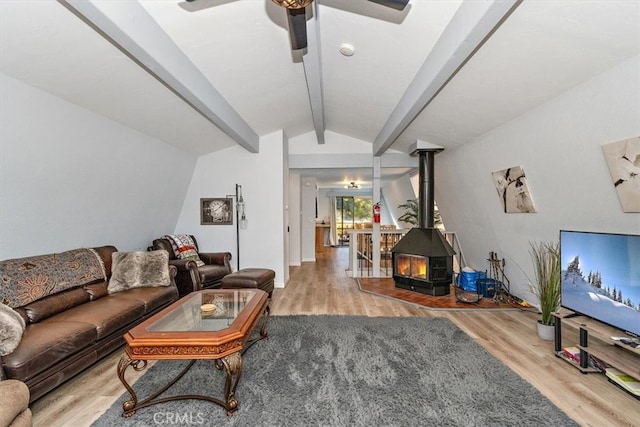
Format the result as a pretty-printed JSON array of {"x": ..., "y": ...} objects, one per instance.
[
  {"x": 411, "y": 266},
  {"x": 423, "y": 262}
]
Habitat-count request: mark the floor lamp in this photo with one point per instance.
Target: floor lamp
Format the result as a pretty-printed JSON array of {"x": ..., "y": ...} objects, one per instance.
[{"x": 241, "y": 220}]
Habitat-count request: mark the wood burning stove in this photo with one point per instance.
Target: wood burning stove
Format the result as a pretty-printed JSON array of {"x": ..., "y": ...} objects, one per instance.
[
  {"x": 423, "y": 259},
  {"x": 423, "y": 262}
]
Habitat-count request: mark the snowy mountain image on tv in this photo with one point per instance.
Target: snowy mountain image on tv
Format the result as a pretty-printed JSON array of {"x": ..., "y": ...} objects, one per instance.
[{"x": 601, "y": 277}]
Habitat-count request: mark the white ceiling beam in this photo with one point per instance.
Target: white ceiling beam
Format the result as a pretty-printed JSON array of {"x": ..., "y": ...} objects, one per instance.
[
  {"x": 353, "y": 160},
  {"x": 471, "y": 26},
  {"x": 312, "y": 63},
  {"x": 129, "y": 27}
]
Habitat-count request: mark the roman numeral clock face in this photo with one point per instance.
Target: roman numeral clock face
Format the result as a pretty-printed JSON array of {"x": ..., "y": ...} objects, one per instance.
[{"x": 219, "y": 211}]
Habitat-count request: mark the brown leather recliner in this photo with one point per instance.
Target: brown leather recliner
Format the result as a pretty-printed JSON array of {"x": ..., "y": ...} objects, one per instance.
[{"x": 190, "y": 277}]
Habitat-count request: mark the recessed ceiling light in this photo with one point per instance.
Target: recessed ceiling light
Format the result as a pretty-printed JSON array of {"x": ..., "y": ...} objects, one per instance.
[{"x": 346, "y": 49}]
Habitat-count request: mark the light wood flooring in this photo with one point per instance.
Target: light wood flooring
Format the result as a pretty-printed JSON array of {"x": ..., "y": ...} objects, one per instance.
[{"x": 324, "y": 288}]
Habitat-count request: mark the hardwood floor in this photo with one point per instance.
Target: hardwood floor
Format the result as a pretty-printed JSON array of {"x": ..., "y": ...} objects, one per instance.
[{"x": 323, "y": 288}]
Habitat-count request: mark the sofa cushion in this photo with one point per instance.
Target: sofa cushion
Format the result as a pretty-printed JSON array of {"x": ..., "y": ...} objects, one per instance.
[
  {"x": 45, "y": 344},
  {"x": 29, "y": 279},
  {"x": 97, "y": 290},
  {"x": 53, "y": 304},
  {"x": 212, "y": 273},
  {"x": 138, "y": 269},
  {"x": 152, "y": 298},
  {"x": 107, "y": 315},
  {"x": 11, "y": 328}
]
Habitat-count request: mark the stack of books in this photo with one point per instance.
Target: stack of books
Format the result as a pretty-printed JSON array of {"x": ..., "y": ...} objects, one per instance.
[
  {"x": 573, "y": 354},
  {"x": 624, "y": 381}
]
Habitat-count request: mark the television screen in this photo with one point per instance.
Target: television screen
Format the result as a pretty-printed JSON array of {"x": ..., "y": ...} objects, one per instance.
[{"x": 601, "y": 277}]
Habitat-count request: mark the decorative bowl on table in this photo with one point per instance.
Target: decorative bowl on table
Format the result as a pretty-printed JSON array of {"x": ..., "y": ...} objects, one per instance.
[{"x": 208, "y": 310}]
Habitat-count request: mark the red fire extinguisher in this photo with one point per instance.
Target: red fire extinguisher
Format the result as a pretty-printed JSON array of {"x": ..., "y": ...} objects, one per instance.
[{"x": 376, "y": 213}]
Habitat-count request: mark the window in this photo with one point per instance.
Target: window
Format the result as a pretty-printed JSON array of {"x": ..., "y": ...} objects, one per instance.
[{"x": 352, "y": 212}]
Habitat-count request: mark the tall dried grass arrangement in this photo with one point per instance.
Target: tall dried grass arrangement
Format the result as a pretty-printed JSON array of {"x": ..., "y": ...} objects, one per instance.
[{"x": 546, "y": 262}]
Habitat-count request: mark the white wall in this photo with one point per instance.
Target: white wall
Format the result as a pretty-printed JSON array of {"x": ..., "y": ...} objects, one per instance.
[
  {"x": 559, "y": 145},
  {"x": 285, "y": 203},
  {"x": 335, "y": 143},
  {"x": 71, "y": 178},
  {"x": 308, "y": 218},
  {"x": 396, "y": 193},
  {"x": 324, "y": 205},
  {"x": 261, "y": 176},
  {"x": 295, "y": 215}
]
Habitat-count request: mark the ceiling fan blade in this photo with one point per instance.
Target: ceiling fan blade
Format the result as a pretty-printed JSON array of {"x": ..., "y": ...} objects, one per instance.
[
  {"x": 297, "y": 28},
  {"x": 394, "y": 4}
]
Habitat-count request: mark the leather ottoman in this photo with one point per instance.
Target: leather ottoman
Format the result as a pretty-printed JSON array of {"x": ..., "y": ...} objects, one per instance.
[{"x": 260, "y": 278}]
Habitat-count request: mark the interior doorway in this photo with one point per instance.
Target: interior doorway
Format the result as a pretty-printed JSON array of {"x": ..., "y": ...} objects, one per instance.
[{"x": 352, "y": 213}]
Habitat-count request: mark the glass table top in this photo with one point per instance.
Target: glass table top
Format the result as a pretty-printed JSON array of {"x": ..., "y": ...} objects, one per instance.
[{"x": 204, "y": 311}]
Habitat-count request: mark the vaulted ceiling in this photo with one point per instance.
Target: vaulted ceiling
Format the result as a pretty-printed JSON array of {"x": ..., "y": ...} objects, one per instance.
[{"x": 221, "y": 72}]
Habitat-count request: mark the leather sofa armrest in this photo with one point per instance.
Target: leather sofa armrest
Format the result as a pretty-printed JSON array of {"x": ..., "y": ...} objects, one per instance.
[
  {"x": 216, "y": 258},
  {"x": 183, "y": 264},
  {"x": 186, "y": 275},
  {"x": 173, "y": 270}
]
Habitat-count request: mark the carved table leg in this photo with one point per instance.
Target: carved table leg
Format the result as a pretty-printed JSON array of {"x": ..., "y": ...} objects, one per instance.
[
  {"x": 265, "y": 318},
  {"x": 129, "y": 405},
  {"x": 233, "y": 367}
]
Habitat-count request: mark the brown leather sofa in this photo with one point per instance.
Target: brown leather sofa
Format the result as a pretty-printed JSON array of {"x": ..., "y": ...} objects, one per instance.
[
  {"x": 69, "y": 331},
  {"x": 189, "y": 276}
]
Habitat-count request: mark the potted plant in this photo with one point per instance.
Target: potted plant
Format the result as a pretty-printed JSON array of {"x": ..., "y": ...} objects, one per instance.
[
  {"x": 410, "y": 215},
  {"x": 546, "y": 262},
  {"x": 411, "y": 212}
]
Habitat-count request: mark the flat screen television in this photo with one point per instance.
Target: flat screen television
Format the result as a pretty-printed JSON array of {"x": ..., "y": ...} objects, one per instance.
[{"x": 601, "y": 277}]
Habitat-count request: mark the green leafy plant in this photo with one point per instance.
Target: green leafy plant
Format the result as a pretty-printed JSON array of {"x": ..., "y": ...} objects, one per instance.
[
  {"x": 410, "y": 215},
  {"x": 546, "y": 262},
  {"x": 411, "y": 210}
]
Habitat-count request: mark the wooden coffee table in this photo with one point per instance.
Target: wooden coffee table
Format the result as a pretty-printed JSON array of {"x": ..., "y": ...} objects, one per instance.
[{"x": 208, "y": 324}]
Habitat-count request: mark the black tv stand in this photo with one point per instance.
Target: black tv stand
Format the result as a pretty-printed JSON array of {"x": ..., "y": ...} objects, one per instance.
[
  {"x": 572, "y": 314},
  {"x": 594, "y": 338}
]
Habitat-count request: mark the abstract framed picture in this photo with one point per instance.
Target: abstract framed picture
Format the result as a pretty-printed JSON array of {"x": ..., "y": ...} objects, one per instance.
[
  {"x": 623, "y": 159},
  {"x": 216, "y": 211},
  {"x": 513, "y": 190}
]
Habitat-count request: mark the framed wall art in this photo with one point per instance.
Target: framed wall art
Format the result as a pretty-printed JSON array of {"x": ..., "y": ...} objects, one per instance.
[
  {"x": 623, "y": 159},
  {"x": 513, "y": 190},
  {"x": 216, "y": 211}
]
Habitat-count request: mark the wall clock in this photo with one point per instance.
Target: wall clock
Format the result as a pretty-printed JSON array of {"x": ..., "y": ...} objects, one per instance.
[{"x": 216, "y": 211}]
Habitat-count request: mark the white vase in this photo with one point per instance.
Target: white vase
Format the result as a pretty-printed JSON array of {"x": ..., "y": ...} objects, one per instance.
[{"x": 546, "y": 332}]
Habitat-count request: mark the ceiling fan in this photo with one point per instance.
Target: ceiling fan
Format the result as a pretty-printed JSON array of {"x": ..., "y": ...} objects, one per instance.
[{"x": 296, "y": 17}]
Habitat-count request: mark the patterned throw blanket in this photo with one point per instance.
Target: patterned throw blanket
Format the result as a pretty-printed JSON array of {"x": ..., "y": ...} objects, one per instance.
[
  {"x": 25, "y": 280},
  {"x": 184, "y": 247}
]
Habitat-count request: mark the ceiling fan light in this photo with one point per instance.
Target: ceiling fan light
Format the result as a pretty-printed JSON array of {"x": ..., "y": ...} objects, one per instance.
[{"x": 293, "y": 4}]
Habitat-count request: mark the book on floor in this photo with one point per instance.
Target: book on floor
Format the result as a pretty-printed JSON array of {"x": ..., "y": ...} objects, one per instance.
[{"x": 627, "y": 382}]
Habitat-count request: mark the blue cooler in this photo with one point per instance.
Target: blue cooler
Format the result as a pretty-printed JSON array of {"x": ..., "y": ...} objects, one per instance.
[
  {"x": 468, "y": 280},
  {"x": 487, "y": 287}
]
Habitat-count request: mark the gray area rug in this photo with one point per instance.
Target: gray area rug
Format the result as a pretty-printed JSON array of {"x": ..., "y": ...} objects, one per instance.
[{"x": 352, "y": 371}]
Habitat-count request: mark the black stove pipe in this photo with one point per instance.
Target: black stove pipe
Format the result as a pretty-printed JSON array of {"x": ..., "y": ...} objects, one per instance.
[{"x": 426, "y": 196}]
